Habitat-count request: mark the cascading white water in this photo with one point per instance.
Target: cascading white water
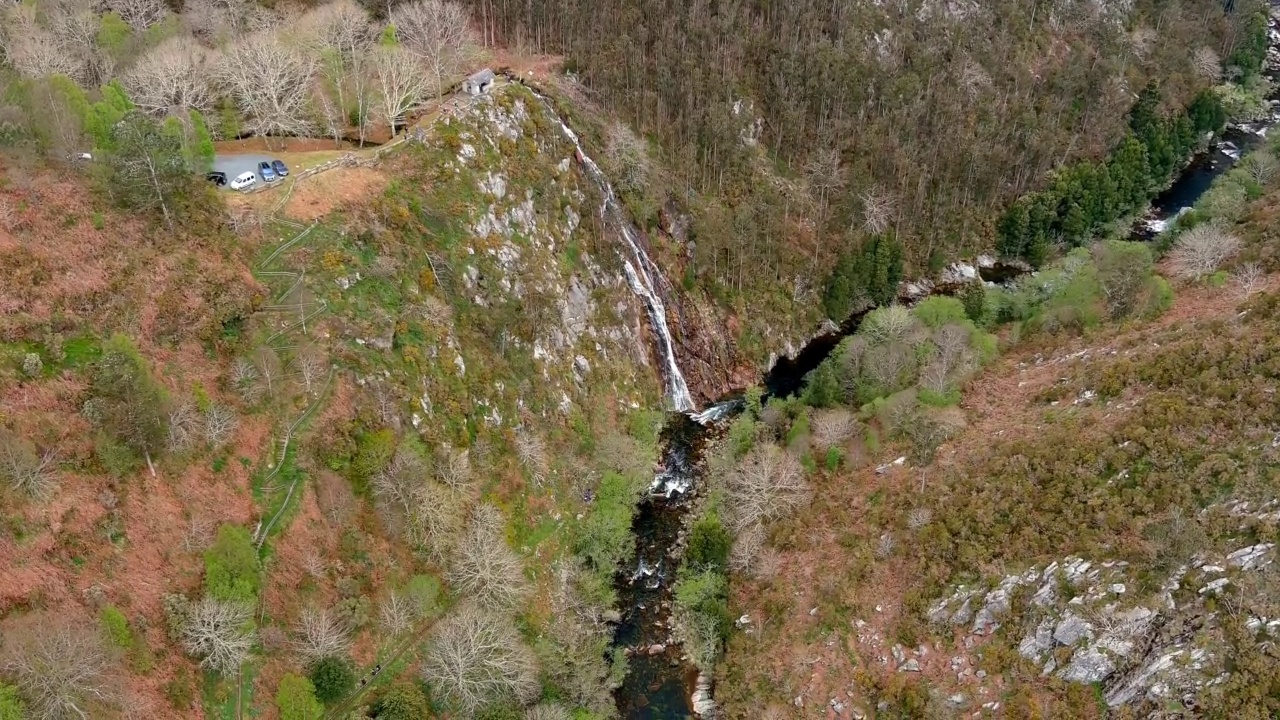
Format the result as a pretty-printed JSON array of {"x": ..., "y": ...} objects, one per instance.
[{"x": 642, "y": 274}]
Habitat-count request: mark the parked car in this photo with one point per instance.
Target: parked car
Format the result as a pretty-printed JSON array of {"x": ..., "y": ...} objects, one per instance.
[
  {"x": 244, "y": 181},
  {"x": 264, "y": 169},
  {"x": 216, "y": 177},
  {"x": 280, "y": 168}
]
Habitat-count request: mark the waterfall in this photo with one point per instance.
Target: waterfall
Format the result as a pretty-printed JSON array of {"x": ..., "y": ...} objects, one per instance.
[{"x": 642, "y": 273}]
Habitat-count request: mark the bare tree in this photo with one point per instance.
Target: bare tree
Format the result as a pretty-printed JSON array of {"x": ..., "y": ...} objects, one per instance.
[
  {"x": 483, "y": 566},
  {"x": 219, "y": 634},
  {"x": 244, "y": 378},
  {"x": 33, "y": 50},
  {"x": 547, "y": 711},
  {"x": 267, "y": 365},
  {"x": 397, "y": 483},
  {"x": 24, "y": 469},
  {"x": 475, "y": 658},
  {"x": 62, "y": 670},
  {"x": 1249, "y": 277},
  {"x": 172, "y": 79},
  {"x": 894, "y": 323},
  {"x": 76, "y": 25},
  {"x": 401, "y": 84},
  {"x": 439, "y": 33},
  {"x": 1201, "y": 250},
  {"x": 769, "y": 483},
  {"x": 139, "y": 14},
  {"x": 397, "y": 614},
  {"x": 220, "y": 424},
  {"x": 271, "y": 82},
  {"x": 1262, "y": 167},
  {"x": 887, "y": 365},
  {"x": 184, "y": 425},
  {"x": 437, "y": 519},
  {"x": 1206, "y": 64},
  {"x": 877, "y": 210},
  {"x": 746, "y": 548},
  {"x": 825, "y": 174},
  {"x": 453, "y": 467},
  {"x": 322, "y": 634},
  {"x": 340, "y": 32},
  {"x": 309, "y": 365},
  {"x": 533, "y": 455},
  {"x": 313, "y": 562}
]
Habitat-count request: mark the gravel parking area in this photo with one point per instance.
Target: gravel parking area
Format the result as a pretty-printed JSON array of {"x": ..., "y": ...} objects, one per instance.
[{"x": 233, "y": 165}]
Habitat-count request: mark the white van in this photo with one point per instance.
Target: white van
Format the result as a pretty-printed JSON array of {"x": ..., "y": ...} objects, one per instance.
[{"x": 244, "y": 181}]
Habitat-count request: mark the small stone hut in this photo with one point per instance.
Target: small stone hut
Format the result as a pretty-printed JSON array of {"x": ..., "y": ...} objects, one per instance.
[{"x": 479, "y": 83}]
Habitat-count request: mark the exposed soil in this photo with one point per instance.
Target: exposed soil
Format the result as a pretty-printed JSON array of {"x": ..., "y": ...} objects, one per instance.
[{"x": 318, "y": 195}]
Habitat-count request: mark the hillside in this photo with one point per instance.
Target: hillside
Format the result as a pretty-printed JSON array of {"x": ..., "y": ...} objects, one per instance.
[{"x": 467, "y": 416}]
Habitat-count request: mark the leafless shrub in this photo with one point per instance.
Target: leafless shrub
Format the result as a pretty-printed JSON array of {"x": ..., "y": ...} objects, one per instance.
[
  {"x": 833, "y": 427},
  {"x": 244, "y": 374},
  {"x": 171, "y": 79},
  {"x": 218, "y": 633},
  {"x": 483, "y": 566},
  {"x": 313, "y": 562},
  {"x": 884, "y": 548},
  {"x": 321, "y": 634},
  {"x": 974, "y": 78},
  {"x": 1262, "y": 167},
  {"x": 1206, "y": 64},
  {"x": 62, "y": 670},
  {"x": 397, "y": 614},
  {"x": 274, "y": 638},
  {"x": 1201, "y": 250},
  {"x": 629, "y": 163},
  {"x": 9, "y": 217},
  {"x": 183, "y": 427},
  {"x": 768, "y": 483},
  {"x": 746, "y": 548},
  {"x": 898, "y": 412},
  {"x": 271, "y": 83},
  {"x": 242, "y": 218},
  {"x": 24, "y": 469},
  {"x": 877, "y": 211},
  {"x": 475, "y": 658},
  {"x": 1249, "y": 277},
  {"x": 547, "y": 711},
  {"x": 220, "y": 423},
  {"x": 199, "y": 534},
  {"x": 533, "y": 455},
  {"x": 919, "y": 517}
]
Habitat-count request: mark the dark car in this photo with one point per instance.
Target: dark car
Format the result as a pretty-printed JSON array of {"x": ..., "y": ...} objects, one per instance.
[
  {"x": 279, "y": 167},
  {"x": 264, "y": 169},
  {"x": 217, "y": 178}
]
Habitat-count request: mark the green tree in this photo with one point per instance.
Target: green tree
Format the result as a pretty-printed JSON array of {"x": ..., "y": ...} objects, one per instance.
[
  {"x": 1013, "y": 230},
  {"x": 974, "y": 298},
  {"x": 113, "y": 34},
  {"x": 103, "y": 116},
  {"x": 333, "y": 678},
  {"x": 11, "y": 707},
  {"x": 709, "y": 544},
  {"x": 822, "y": 387},
  {"x": 402, "y": 701},
  {"x": 296, "y": 699},
  {"x": 147, "y": 169},
  {"x": 201, "y": 142},
  {"x": 232, "y": 568},
  {"x": 125, "y": 401}
]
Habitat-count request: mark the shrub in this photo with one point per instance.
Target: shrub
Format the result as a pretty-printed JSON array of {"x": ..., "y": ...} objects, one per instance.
[
  {"x": 402, "y": 701},
  {"x": 709, "y": 544},
  {"x": 1202, "y": 250},
  {"x": 604, "y": 538},
  {"x": 296, "y": 699},
  {"x": 938, "y": 310},
  {"x": 116, "y": 627},
  {"x": 232, "y": 568},
  {"x": 333, "y": 678},
  {"x": 11, "y": 707},
  {"x": 373, "y": 451}
]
